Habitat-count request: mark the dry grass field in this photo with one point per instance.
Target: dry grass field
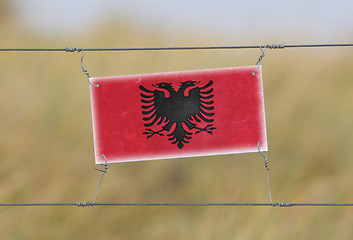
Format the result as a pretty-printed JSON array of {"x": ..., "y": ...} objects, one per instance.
[{"x": 46, "y": 145}]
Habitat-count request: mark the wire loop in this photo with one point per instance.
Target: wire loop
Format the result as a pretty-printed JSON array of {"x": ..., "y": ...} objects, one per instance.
[
  {"x": 260, "y": 59},
  {"x": 263, "y": 48}
]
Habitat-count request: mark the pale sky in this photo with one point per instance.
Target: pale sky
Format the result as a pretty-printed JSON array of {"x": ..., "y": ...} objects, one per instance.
[{"x": 314, "y": 20}]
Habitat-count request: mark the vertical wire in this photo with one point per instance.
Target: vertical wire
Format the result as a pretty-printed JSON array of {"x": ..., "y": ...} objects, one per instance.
[
  {"x": 259, "y": 61},
  {"x": 103, "y": 172},
  {"x": 268, "y": 184},
  {"x": 263, "y": 154},
  {"x": 86, "y": 72}
]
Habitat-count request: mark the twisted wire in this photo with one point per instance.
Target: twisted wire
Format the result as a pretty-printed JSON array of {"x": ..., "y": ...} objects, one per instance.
[
  {"x": 83, "y": 69},
  {"x": 105, "y": 164},
  {"x": 263, "y": 154}
]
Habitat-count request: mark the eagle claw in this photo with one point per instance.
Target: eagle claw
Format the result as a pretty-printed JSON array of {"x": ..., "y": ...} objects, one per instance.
[
  {"x": 207, "y": 129},
  {"x": 150, "y": 133}
]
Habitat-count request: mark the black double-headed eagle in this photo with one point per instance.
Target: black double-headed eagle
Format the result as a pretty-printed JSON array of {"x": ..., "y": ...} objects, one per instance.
[{"x": 178, "y": 112}]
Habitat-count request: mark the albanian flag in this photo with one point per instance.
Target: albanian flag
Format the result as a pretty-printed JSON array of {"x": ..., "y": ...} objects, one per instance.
[{"x": 178, "y": 114}]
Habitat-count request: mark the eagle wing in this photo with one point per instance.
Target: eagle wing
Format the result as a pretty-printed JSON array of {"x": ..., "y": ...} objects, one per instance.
[
  {"x": 202, "y": 103},
  {"x": 154, "y": 106}
]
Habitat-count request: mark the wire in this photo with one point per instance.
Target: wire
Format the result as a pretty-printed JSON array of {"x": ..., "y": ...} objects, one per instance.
[
  {"x": 36, "y": 204},
  {"x": 87, "y": 204},
  {"x": 104, "y": 171},
  {"x": 273, "y": 46}
]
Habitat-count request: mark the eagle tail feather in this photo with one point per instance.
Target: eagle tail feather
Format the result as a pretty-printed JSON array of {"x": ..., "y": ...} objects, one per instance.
[{"x": 179, "y": 136}]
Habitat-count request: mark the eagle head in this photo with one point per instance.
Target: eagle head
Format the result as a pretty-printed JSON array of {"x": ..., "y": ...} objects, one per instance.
[
  {"x": 189, "y": 83},
  {"x": 164, "y": 87}
]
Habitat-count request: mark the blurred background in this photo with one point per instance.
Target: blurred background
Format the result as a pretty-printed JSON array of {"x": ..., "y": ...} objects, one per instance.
[{"x": 46, "y": 141}]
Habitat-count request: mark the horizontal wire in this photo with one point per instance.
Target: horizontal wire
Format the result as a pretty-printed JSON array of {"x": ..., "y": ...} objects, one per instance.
[
  {"x": 272, "y": 46},
  {"x": 35, "y": 204},
  {"x": 86, "y": 204}
]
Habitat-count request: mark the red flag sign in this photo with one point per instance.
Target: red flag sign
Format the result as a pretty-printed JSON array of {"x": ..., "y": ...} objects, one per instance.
[{"x": 178, "y": 114}]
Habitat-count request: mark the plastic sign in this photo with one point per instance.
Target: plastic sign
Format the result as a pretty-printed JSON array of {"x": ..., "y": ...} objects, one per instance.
[{"x": 178, "y": 114}]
